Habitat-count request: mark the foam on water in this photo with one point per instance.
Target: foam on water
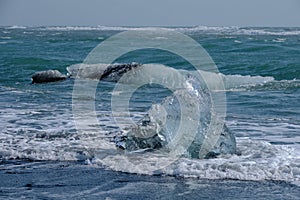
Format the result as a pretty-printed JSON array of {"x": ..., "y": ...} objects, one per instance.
[
  {"x": 275, "y": 85},
  {"x": 16, "y": 27},
  {"x": 94, "y": 28},
  {"x": 228, "y": 30},
  {"x": 233, "y": 30},
  {"x": 5, "y": 38},
  {"x": 258, "y": 161}
]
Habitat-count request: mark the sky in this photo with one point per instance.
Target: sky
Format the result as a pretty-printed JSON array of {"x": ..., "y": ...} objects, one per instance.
[{"x": 150, "y": 12}]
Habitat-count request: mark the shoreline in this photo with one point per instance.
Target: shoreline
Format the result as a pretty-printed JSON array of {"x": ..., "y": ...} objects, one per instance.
[{"x": 65, "y": 180}]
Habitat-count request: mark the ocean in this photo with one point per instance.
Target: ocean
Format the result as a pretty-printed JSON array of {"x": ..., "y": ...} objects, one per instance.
[{"x": 44, "y": 155}]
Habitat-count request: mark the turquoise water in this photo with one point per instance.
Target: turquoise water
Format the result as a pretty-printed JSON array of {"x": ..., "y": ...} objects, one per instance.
[{"x": 262, "y": 111}]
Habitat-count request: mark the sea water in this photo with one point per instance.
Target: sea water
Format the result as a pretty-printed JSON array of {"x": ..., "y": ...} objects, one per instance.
[{"x": 44, "y": 155}]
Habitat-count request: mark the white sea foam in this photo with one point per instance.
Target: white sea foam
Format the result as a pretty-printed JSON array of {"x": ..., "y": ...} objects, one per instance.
[
  {"x": 230, "y": 30},
  {"x": 266, "y": 32},
  {"x": 238, "y": 81},
  {"x": 259, "y": 160},
  {"x": 94, "y": 28},
  {"x": 209, "y": 29},
  {"x": 237, "y": 41},
  {"x": 279, "y": 40},
  {"x": 16, "y": 27},
  {"x": 5, "y": 38},
  {"x": 240, "y": 30}
]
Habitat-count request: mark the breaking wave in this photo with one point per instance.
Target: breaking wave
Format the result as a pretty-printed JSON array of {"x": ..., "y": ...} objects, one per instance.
[{"x": 227, "y": 30}]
